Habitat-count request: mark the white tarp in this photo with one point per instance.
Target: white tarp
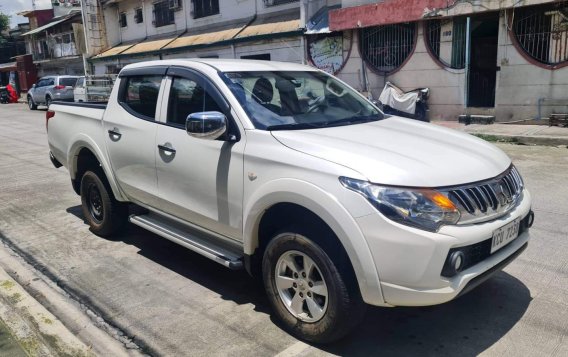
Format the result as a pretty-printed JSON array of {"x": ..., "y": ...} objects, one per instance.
[{"x": 397, "y": 99}]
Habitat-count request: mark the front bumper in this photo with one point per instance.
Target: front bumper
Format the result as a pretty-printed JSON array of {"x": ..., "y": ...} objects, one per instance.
[{"x": 410, "y": 261}]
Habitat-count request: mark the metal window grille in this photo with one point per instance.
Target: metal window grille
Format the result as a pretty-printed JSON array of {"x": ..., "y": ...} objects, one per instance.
[
  {"x": 278, "y": 2},
  {"x": 542, "y": 32},
  {"x": 203, "y": 8},
  {"x": 454, "y": 55},
  {"x": 163, "y": 14},
  {"x": 385, "y": 48}
]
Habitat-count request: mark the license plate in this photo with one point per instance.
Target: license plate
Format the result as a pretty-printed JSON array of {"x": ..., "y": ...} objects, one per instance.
[{"x": 502, "y": 236}]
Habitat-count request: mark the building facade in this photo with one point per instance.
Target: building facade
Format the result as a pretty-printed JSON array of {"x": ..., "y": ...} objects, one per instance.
[
  {"x": 507, "y": 59},
  {"x": 139, "y": 30},
  {"x": 503, "y": 58},
  {"x": 56, "y": 43}
]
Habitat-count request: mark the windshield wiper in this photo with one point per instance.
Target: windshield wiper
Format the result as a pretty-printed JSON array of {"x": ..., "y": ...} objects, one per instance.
[
  {"x": 350, "y": 121},
  {"x": 293, "y": 126}
]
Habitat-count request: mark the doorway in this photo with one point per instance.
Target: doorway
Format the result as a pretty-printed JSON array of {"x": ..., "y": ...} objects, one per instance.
[{"x": 483, "y": 61}]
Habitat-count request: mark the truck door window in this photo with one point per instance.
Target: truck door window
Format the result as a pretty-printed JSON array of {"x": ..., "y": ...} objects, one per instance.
[
  {"x": 141, "y": 95},
  {"x": 186, "y": 97}
]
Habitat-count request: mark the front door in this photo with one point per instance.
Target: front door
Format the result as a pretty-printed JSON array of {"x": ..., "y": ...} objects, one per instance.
[
  {"x": 130, "y": 135},
  {"x": 483, "y": 61},
  {"x": 199, "y": 180}
]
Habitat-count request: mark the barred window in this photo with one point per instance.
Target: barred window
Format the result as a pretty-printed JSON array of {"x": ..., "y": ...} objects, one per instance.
[
  {"x": 163, "y": 14},
  {"x": 542, "y": 32},
  {"x": 385, "y": 48},
  {"x": 204, "y": 8},
  {"x": 446, "y": 41}
]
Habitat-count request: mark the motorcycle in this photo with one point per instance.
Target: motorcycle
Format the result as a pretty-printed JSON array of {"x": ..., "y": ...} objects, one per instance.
[
  {"x": 4, "y": 98},
  {"x": 411, "y": 104}
]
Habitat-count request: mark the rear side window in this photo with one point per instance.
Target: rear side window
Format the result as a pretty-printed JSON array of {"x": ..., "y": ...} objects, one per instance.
[
  {"x": 50, "y": 82},
  {"x": 187, "y": 97},
  {"x": 67, "y": 81},
  {"x": 140, "y": 95}
]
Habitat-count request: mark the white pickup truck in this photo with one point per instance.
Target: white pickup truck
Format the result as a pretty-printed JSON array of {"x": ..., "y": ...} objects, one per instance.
[{"x": 287, "y": 172}]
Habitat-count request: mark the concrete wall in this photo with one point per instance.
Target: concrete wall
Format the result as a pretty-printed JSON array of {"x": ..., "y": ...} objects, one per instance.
[
  {"x": 446, "y": 84},
  {"x": 520, "y": 84},
  {"x": 353, "y": 72}
]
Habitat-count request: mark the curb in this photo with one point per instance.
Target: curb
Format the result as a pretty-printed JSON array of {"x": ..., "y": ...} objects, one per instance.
[
  {"x": 35, "y": 329},
  {"x": 66, "y": 329},
  {"x": 524, "y": 140}
]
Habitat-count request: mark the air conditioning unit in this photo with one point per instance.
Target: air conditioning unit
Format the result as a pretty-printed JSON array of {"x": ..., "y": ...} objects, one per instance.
[{"x": 176, "y": 5}]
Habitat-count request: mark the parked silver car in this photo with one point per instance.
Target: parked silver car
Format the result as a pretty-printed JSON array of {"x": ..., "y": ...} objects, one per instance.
[{"x": 51, "y": 88}]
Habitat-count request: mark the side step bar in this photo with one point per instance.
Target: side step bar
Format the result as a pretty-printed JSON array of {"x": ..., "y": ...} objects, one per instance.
[{"x": 176, "y": 234}]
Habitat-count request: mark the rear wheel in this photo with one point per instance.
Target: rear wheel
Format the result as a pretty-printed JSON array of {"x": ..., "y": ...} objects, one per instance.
[
  {"x": 48, "y": 101},
  {"x": 101, "y": 210},
  {"x": 307, "y": 291},
  {"x": 31, "y": 103}
]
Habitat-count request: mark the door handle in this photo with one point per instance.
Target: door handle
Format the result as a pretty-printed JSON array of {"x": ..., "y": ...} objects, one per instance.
[
  {"x": 114, "y": 134},
  {"x": 167, "y": 149}
]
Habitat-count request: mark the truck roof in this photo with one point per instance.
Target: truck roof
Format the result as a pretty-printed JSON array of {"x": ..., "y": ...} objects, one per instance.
[{"x": 230, "y": 65}]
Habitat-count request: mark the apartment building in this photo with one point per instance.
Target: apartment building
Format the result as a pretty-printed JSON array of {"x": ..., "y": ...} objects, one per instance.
[
  {"x": 55, "y": 41},
  {"x": 139, "y": 30}
]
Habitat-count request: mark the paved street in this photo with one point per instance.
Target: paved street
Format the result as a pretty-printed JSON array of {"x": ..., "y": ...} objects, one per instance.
[{"x": 173, "y": 302}]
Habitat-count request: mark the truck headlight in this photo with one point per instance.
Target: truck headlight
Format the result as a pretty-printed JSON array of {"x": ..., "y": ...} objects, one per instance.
[{"x": 426, "y": 209}]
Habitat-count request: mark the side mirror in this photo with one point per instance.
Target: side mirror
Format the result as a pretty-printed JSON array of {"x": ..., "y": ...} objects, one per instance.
[
  {"x": 34, "y": 85},
  {"x": 206, "y": 125}
]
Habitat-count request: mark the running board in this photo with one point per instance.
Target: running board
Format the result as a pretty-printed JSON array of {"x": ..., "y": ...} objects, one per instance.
[{"x": 173, "y": 232}]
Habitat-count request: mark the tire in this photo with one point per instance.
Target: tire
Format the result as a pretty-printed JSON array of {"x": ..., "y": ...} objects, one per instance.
[
  {"x": 48, "y": 101},
  {"x": 299, "y": 301},
  {"x": 104, "y": 214},
  {"x": 31, "y": 103}
]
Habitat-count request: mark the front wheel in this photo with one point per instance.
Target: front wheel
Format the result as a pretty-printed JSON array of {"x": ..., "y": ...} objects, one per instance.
[
  {"x": 105, "y": 215},
  {"x": 307, "y": 291}
]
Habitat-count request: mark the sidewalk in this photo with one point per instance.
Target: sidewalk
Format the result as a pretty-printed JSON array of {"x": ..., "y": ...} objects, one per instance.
[
  {"x": 514, "y": 133},
  {"x": 28, "y": 329},
  {"x": 68, "y": 328}
]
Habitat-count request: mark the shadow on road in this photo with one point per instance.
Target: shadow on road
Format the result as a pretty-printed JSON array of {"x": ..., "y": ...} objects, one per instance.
[{"x": 465, "y": 327}]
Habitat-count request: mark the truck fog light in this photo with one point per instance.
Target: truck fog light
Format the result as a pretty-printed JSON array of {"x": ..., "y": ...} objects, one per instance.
[
  {"x": 530, "y": 220},
  {"x": 456, "y": 261}
]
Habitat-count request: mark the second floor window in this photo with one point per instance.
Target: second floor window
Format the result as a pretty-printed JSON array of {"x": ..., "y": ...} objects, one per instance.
[
  {"x": 163, "y": 14},
  {"x": 203, "y": 8},
  {"x": 138, "y": 16},
  {"x": 122, "y": 19}
]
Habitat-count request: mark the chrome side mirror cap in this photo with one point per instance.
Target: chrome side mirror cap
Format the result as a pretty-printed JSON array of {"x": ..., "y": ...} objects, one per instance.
[{"x": 206, "y": 125}]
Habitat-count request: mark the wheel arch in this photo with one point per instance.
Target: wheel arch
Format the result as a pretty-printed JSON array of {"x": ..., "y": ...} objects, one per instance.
[
  {"x": 296, "y": 196},
  {"x": 85, "y": 154}
]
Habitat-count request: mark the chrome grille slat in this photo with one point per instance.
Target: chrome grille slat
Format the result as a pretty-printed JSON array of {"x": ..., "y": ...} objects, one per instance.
[{"x": 489, "y": 199}]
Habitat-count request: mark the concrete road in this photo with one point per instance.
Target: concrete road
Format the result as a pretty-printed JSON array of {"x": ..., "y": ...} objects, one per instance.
[{"x": 172, "y": 302}]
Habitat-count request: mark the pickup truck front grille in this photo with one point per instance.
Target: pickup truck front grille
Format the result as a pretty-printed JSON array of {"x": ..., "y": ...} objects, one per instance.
[{"x": 488, "y": 199}]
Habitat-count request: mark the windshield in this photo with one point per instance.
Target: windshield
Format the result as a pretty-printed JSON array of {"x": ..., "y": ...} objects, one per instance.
[{"x": 298, "y": 100}]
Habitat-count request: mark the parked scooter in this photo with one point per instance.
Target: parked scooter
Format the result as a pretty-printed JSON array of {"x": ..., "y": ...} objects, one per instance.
[
  {"x": 4, "y": 98},
  {"x": 411, "y": 104}
]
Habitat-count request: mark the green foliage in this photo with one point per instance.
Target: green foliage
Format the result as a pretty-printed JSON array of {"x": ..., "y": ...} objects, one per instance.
[
  {"x": 4, "y": 22},
  {"x": 4, "y": 25}
]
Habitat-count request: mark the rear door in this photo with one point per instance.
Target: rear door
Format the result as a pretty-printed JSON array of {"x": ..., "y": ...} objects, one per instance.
[
  {"x": 130, "y": 132},
  {"x": 66, "y": 85},
  {"x": 199, "y": 180}
]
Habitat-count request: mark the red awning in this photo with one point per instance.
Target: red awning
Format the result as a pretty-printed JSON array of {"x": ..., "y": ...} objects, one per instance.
[{"x": 384, "y": 13}]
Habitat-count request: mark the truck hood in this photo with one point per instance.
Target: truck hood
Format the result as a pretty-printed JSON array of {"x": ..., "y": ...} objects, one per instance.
[{"x": 402, "y": 152}]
